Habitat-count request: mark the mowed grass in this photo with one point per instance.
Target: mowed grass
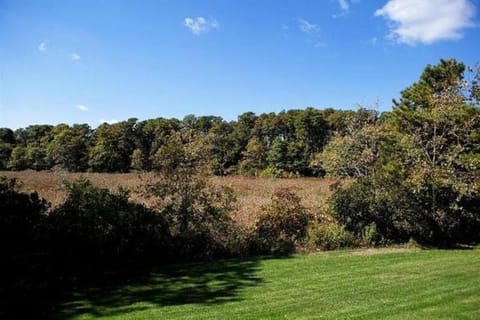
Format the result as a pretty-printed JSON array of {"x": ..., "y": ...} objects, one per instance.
[
  {"x": 364, "y": 284},
  {"x": 252, "y": 193}
]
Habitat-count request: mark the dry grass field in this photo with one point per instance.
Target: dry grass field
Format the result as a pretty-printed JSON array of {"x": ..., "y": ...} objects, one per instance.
[{"x": 252, "y": 193}]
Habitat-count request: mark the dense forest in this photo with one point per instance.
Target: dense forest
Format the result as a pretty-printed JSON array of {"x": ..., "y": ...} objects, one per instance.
[
  {"x": 415, "y": 170},
  {"x": 283, "y": 143}
]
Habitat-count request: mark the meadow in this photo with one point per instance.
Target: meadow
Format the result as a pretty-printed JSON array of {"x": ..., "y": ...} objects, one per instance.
[
  {"x": 251, "y": 193},
  {"x": 388, "y": 283}
]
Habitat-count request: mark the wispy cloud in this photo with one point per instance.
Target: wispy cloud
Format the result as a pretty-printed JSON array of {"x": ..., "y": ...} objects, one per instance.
[
  {"x": 414, "y": 21},
  {"x": 111, "y": 121},
  {"x": 81, "y": 107},
  {"x": 307, "y": 27},
  {"x": 312, "y": 32},
  {"x": 200, "y": 25},
  {"x": 42, "y": 47},
  {"x": 344, "y": 5},
  {"x": 75, "y": 56}
]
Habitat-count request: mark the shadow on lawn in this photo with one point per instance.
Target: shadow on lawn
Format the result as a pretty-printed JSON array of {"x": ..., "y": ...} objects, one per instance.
[{"x": 203, "y": 283}]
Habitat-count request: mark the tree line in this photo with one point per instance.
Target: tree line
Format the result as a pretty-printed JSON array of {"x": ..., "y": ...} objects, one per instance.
[
  {"x": 307, "y": 142},
  {"x": 267, "y": 144}
]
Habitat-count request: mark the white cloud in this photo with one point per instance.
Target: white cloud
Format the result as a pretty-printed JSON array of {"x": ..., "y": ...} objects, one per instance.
[
  {"x": 307, "y": 27},
  {"x": 75, "y": 56},
  {"x": 200, "y": 25},
  {"x": 82, "y": 107},
  {"x": 42, "y": 47},
  {"x": 344, "y": 5},
  {"x": 111, "y": 121},
  {"x": 415, "y": 21}
]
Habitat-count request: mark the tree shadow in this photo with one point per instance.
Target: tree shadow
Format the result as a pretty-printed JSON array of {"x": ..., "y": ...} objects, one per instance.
[{"x": 201, "y": 283}]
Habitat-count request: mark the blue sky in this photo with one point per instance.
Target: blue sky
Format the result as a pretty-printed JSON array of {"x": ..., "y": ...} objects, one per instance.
[{"x": 87, "y": 61}]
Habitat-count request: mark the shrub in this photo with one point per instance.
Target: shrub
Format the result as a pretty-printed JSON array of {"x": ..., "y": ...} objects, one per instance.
[
  {"x": 371, "y": 236},
  {"x": 448, "y": 217},
  {"x": 96, "y": 229},
  {"x": 395, "y": 211},
  {"x": 330, "y": 236},
  {"x": 271, "y": 173},
  {"x": 21, "y": 216},
  {"x": 283, "y": 223},
  {"x": 198, "y": 213},
  {"x": 362, "y": 203}
]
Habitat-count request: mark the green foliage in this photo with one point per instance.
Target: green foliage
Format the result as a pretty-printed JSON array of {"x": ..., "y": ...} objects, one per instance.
[
  {"x": 68, "y": 148},
  {"x": 198, "y": 212},
  {"x": 277, "y": 155},
  {"x": 36, "y": 157},
  {"x": 151, "y": 134},
  {"x": 371, "y": 235},
  {"x": 425, "y": 180},
  {"x": 21, "y": 215},
  {"x": 5, "y": 154},
  {"x": 283, "y": 224},
  {"x": 475, "y": 86},
  {"x": 179, "y": 154},
  {"x": 434, "y": 79},
  {"x": 353, "y": 152},
  {"x": 138, "y": 161},
  {"x": 218, "y": 151},
  {"x": 272, "y": 173},
  {"x": 95, "y": 228},
  {"x": 330, "y": 236},
  {"x": 31, "y": 148},
  {"x": 246, "y": 146},
  {"x": 18, "y": 159},
  {"x": 112, "y": 147},
  {"x": 361, "y": 204},
  {"x": 253, "y": 157},
  {"x": 400, "y": 212},
  {"x": 7, "y": 143},
  {"x": 22, "y": 220}
]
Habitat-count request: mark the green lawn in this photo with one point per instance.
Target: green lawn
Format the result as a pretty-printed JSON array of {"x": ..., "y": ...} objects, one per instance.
[{"x": 393, "y": 284}]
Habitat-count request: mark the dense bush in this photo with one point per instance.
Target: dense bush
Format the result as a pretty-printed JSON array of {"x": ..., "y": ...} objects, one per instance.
[
  {"x": 424, "y": 183},
  {"x": 397, "y": 212},
  {"x": 21, "y": 216},
  {"x": 198, "y": 214},
  {"x": 330, "y": 236},
  {"x": 23, "y": 262},
  {"x": 361, "y": 204},
  {"x": 197, "y": 211},
  {"x": 447, "y": 215},
  {"x": 283, "y": 223},
  {"x": 97, "y": 228}
]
